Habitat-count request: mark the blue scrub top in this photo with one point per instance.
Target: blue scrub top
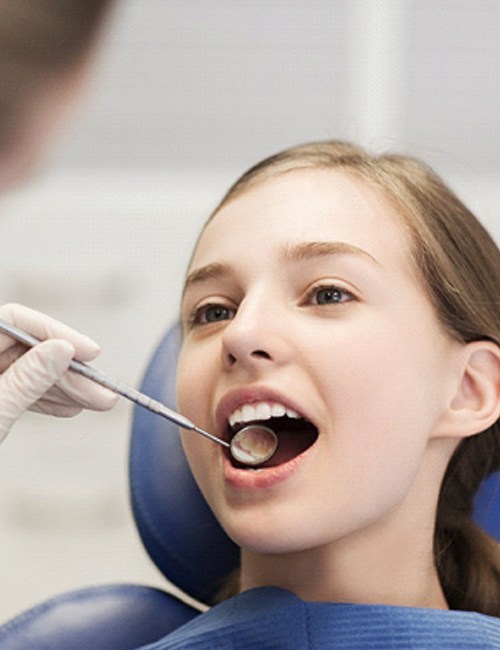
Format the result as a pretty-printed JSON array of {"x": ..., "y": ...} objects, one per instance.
[{"x": 268, "y": 618}]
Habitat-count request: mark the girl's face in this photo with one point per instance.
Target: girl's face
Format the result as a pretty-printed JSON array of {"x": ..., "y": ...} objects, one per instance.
[{"x": 302, "y": 305}]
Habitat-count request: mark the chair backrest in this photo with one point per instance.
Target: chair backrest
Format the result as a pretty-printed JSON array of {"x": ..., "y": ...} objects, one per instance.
[
  {"x": 177, "y": 528},
  {"x": 104, "y": 617}
]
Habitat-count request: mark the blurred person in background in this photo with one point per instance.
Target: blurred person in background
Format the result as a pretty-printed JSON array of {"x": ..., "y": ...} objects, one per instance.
[
  {"x": 46, "y": 48},
  {"x": 46, "y": 51}
]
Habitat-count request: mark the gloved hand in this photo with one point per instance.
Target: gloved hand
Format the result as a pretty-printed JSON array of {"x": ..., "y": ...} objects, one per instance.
[{"x": 37, "y": 379}]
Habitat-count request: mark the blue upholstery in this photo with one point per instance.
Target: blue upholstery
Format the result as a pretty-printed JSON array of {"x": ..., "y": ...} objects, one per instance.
[
  {"x": 177, "y": 528},
  {"x": 179, "y": 532},
  {"x": 487, "y": 506},
  {"x": 114, "y": 617}
]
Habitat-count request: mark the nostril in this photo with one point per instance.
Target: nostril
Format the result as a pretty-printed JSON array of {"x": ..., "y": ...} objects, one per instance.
[
  {"x": 261, "y": 354},
  {"x": 244, "y": 356}
]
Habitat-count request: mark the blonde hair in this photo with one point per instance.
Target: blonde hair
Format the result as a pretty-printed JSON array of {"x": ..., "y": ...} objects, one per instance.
[{"x": 459, "y": 264}]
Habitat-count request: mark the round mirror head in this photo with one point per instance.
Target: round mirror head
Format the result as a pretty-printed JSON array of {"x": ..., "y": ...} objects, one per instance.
[{"x": 254, "y": 445}]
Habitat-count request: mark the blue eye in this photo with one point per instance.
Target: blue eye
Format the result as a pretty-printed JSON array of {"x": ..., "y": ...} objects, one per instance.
[
  {"x": 330, "y": 295},
  {"x": 212, "y": 314}
]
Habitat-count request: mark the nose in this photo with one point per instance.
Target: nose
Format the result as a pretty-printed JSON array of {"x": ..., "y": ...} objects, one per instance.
[{"x": 254, "y": 338}]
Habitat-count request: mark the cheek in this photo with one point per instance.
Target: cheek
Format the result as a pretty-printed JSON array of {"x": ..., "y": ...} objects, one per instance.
[
  {"x": 388, "y": 362},
  {"x": 198, "y": 453},
  {"x": 194, "y": 398},
  {"x": 193, "y": 384},
  {"x": 200, "y": 456},
  {"x": 384, "y": 396}
]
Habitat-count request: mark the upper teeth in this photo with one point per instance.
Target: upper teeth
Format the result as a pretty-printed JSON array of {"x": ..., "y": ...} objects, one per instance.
[{"x": 260, "y": 411}]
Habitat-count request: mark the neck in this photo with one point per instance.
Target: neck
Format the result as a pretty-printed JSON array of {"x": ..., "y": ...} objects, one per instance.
[{"x": 352, "y": 570}]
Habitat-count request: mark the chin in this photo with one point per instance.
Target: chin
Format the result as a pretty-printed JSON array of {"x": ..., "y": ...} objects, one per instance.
[{"x": 270, "y": 535}]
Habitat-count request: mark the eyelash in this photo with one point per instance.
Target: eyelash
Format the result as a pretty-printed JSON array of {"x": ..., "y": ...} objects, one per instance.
[
  {"x": 195, "y": 318},
  {"x": 346, "y": 295}
]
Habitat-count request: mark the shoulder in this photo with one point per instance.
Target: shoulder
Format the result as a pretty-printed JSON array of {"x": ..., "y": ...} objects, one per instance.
[
  {"x": 361, "y": 626},
  {"x": 269, "y": 617}
]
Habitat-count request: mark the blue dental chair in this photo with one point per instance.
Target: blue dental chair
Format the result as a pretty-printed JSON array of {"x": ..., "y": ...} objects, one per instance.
[{"x": 178, "y": 531}]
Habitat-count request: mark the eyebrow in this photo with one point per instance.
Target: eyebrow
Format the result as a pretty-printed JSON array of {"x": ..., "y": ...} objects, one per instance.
[
  {"x": 212, "y": 271},
  {"x": 312, "y": 250},
  {"x": 292, "y": 253}
]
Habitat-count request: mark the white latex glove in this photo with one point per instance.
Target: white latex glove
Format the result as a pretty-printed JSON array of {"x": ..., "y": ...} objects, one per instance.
[{"x": 37, "y": 379}]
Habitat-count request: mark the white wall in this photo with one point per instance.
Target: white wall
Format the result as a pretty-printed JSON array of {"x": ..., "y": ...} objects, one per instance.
[
  {"x": 185, "y": 96},
  {"x": 105, "y": 253}
]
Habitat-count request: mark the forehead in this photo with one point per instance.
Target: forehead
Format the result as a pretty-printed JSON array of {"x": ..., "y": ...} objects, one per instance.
[{"x": 304, "y": 205}]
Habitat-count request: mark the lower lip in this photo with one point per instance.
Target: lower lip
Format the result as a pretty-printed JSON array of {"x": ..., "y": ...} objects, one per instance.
[{"x": 259, "y": 479}]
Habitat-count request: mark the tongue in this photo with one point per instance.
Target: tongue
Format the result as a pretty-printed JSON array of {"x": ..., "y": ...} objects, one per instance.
[{"x": 290, "y": 446}]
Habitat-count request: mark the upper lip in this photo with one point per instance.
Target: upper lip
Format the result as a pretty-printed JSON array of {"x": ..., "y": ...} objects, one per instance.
[{"x": 236, "y": 398}]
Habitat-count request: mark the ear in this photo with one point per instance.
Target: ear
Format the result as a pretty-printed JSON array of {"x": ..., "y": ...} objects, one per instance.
[{"x": 475, "y": 406}]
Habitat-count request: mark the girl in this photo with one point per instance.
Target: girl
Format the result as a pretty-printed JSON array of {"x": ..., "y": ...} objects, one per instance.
[{"x": 351, "y": 303}]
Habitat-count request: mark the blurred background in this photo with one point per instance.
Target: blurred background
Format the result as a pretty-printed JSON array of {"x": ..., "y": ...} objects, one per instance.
[{"x": 184, "y": 97}]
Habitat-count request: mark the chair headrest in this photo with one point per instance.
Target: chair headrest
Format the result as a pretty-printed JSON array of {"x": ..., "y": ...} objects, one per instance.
[{"x": 177, "y": 528}]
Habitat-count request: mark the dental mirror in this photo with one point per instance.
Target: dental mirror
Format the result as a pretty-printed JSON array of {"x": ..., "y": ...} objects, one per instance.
[{"x": 254, "y": 444}]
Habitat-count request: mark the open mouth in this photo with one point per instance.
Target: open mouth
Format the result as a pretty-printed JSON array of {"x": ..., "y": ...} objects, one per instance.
[{"x": 295, "y": 435}]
